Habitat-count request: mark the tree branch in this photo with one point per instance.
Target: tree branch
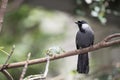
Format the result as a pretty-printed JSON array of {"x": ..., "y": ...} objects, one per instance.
[
  {"x": 2, "y": 12},
  {"x": 25, "y": 67},
  {"x": 7, "y": 74},
  {"x": 8, "y": 58},
  {"x": 106, "y": 42}
]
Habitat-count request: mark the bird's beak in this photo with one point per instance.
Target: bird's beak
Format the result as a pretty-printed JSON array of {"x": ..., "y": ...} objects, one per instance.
[{"x": 76, "y": 22}]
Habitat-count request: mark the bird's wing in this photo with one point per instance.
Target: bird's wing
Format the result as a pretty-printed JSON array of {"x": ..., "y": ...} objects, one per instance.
[
  {"x": 92, "y": 39},
  {"x": 77, "y": 42},
  {"x": 77, "y": 46}
]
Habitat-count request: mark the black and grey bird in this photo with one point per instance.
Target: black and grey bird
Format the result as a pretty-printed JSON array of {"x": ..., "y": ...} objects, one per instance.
[{"x": 84, "y": 38}]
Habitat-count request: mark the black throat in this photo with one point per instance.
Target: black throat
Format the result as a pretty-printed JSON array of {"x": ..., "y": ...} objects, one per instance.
[{"x": 81, "y": 29}]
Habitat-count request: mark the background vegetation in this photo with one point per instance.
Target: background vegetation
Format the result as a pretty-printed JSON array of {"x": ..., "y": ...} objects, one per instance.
[{"x": 33, "y": 28}]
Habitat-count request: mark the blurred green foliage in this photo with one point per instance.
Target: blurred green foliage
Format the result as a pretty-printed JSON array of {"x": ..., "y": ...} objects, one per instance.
[
  {"x": 98, "y": 8},
  {"x": 22, "y": 28},
  {"x": 112, "y": 74}
]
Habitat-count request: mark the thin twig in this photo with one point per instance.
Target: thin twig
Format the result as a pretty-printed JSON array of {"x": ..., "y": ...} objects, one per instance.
[
  {"x": 2, "y": 12},
  {"x": 97, "y": 46},
  {"x": 25, "y": 67},
  {"x": 9, "y": 56},
  {"x": 6, "y": 73},
  {"x": 47, "y": 67},
  {"x": 40, "y": 76},
  {"x": 108, "y": 38}
]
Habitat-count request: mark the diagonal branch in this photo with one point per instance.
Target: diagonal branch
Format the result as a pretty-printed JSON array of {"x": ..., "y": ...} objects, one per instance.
[
  {"x": 2, "y": 11},
  {"x": 106, "y": 42},
  {"x": 25, "y": 67},
  {"x": 8, "y": 58},
  {"x": 7, "y": 74}
]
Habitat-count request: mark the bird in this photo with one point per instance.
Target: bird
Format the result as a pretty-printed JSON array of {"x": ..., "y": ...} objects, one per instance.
[{"x": 84, "y": 38}]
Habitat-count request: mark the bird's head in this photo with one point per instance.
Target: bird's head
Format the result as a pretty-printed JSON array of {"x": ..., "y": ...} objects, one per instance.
[
  {"x": 79, "y": 23},
  {"x": 82, "y": 25}
]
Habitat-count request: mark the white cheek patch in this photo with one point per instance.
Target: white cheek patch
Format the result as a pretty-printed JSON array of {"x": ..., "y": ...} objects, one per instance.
[{"x": 85, "y": 26}]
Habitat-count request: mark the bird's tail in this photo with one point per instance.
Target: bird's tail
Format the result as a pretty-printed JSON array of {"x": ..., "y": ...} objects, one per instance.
[{"x": 83, "y": 63}]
